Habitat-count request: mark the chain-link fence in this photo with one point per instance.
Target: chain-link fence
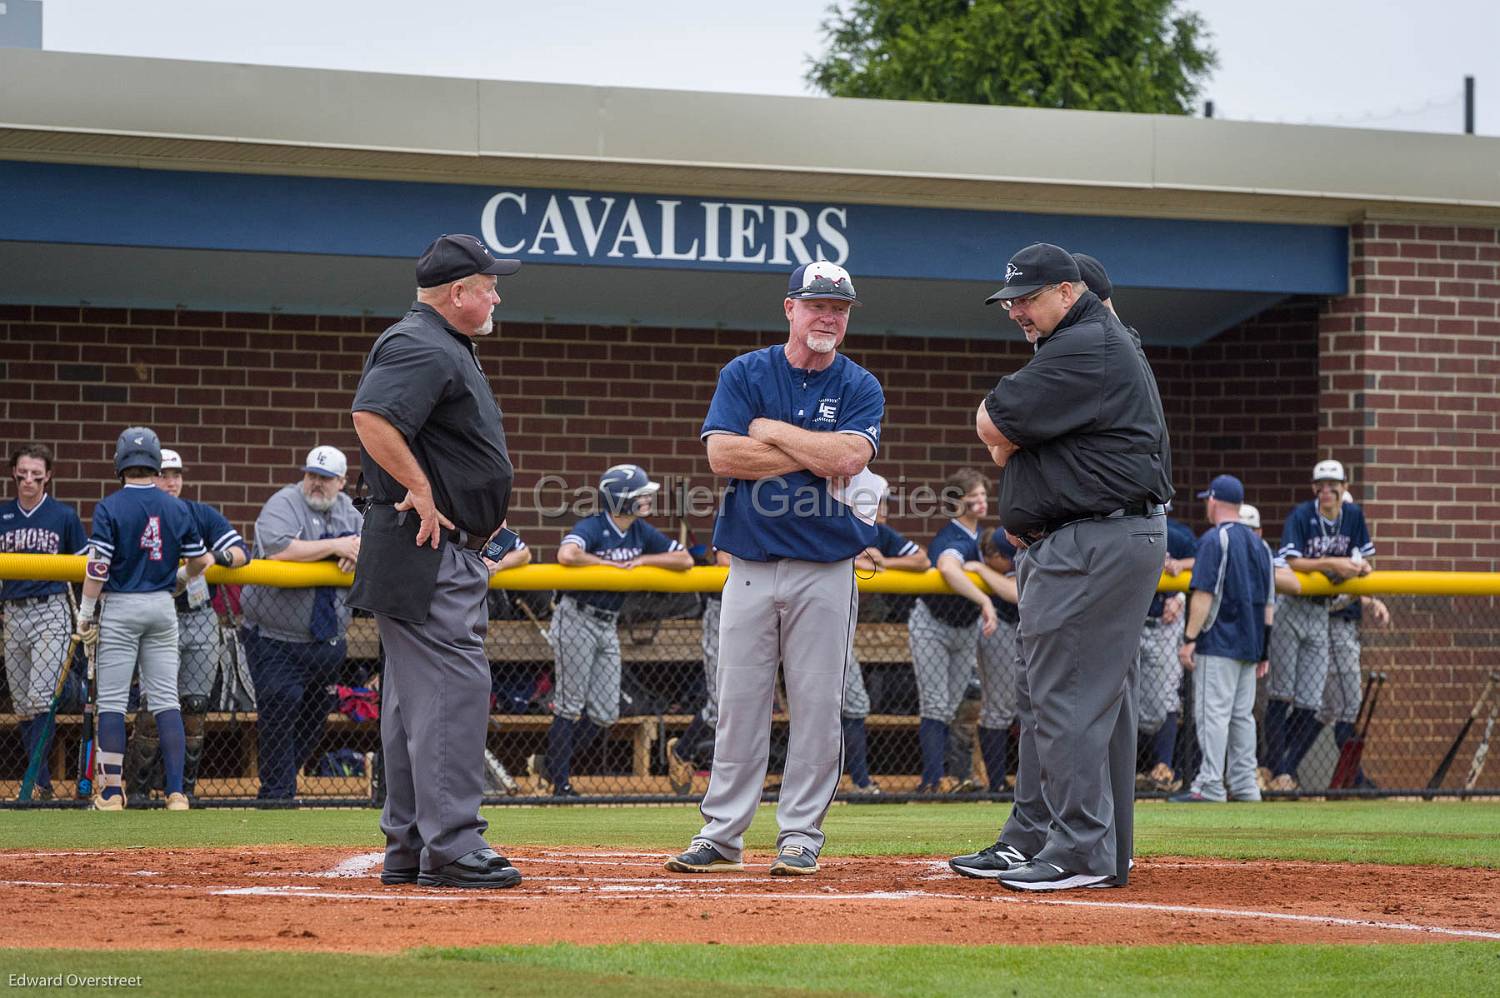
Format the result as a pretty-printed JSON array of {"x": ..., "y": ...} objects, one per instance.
[{"x": 277, "y": 721}]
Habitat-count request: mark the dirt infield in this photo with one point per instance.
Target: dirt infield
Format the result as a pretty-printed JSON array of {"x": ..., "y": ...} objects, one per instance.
[{"x": 332, "y": 899}]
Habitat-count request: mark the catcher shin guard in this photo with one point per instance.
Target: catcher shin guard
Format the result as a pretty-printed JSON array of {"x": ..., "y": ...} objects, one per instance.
[
  {"x": 140, "y": 758},
  {"x": 192, "y": 756}
]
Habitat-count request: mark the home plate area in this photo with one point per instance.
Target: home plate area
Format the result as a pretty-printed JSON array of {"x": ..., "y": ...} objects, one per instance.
[{"x": 332, "y": 899}]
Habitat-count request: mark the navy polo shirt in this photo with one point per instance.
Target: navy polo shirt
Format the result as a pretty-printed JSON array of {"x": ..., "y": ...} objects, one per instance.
[
  {"x": 1234, "y": 565},
  {"x": 792, "y": 515}
]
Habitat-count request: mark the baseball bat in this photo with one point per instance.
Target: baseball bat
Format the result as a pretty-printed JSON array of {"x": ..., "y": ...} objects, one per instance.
[
  {"x": 1482, "y": 750},
  {"x": 526, "y": 609},
  {"x": 1463, "y": 732},
  {"x": 86, "y": 741},
  {"x": 34, "y": 766},
  {"x": 1353, "y": 749}
]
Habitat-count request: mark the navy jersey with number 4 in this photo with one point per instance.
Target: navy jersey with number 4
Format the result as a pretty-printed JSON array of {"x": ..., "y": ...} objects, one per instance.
[
  {"x": 142, "y": 532},
  {"x": 1308, "y": 535},
  {"x": 955, "y": 540},
  {"x": 50, "y": 528},
  {"x": 599, "y": 536},
  {"x": 792, "y": 515}
]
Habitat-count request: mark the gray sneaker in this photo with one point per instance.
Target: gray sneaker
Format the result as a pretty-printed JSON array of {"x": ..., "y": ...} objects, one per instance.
[
  {"x": 794, "y": 861},
  {"x": 990, "y": 862},
  {"x": 702, "y": 857}
]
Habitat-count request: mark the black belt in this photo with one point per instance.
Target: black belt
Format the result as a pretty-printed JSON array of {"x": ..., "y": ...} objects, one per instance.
[
  {"x": 464, "y": 539},
  {"x": 1153, "y": 621},
  {"x": 28, "y": 600},
  {"x": 598, "y": 612},
  {"x": 1140, "y": 507}
]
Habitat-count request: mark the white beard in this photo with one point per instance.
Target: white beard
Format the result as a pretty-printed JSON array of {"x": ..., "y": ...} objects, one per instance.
[
  {"x": 822, "y": 343},
  {"x": 319, "y": 504}
]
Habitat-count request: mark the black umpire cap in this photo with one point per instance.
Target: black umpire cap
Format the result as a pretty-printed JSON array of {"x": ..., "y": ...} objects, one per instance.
[
  {"x": 1034, "y": 268},
  {"x": 1092, "y": 272},
  {"x": 452, "y": 258}
]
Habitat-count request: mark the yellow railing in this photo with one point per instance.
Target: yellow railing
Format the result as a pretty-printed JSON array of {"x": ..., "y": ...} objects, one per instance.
[{"x": 296, "y": 575}]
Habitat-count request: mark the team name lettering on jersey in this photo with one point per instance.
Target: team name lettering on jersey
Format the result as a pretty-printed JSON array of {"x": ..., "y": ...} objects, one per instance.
[{"x": 31, "y": 540}]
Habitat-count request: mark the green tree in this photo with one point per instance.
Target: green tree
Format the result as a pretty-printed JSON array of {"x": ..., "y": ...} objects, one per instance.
[{"x": 1101, "y": 55}]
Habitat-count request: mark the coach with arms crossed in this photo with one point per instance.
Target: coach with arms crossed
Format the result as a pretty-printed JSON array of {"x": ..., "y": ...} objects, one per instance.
[
  {"x": 1080, "y": 434},
  {"x": 787, "y": 424},
  {"x": 440, "y": 481}
]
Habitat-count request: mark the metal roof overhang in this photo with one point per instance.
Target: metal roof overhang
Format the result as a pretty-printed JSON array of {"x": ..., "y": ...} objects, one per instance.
[{"x": 1112, "y": 173}]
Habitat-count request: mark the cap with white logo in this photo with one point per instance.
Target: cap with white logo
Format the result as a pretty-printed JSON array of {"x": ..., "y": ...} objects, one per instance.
[
  {"x": 821, "y": 279},
  {"x": 326, "y": 461},
  {"x": 1328, "y": 471},
  {"x": 1037, "y": 266},
  {"x": 170, "y": 459}
]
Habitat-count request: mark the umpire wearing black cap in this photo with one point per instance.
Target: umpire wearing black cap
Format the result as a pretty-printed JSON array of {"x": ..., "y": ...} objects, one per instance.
[
  {"x": 440, "y": 481},
  {"x": 1080, "y": 435}
]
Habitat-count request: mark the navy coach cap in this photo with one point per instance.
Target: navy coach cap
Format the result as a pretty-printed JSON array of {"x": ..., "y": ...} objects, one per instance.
[
  {"x": 452, "y": 258},
  {"x": 1034, "y": 268},
  {"x": 821, "y": 279},
  {"x": 1092, "y": 272},
  {"x": 1225, "y": 488}
]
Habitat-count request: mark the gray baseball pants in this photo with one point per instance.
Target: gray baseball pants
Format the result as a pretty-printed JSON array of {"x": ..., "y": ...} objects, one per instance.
[
  {"x": 710, "y": 644},
  {"x": 1161, "y": 673},
  {"x": 943, "y": 660},
  {"x": 434, "y": 716},
  {"x": 137, "y": 627},
  {"x": 588, "y": 664},
  {"x": 1000, "y": 667},
  {"x": 1224, "y": 710},
  {"x": 1299, "y": 652},
  {"x": 1085, "y": 588},
  {"x": 801, "y": 615},
  {"x": 36, "y": 638},
  {"x": 1341, "y": 692}
]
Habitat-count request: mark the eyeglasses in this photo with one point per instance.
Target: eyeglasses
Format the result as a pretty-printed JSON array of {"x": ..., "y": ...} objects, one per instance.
[{"x": 1010, "y": 303}]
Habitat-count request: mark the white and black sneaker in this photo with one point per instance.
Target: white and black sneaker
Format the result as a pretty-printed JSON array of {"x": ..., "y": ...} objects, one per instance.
[
  {"x": 1041, "y": 876},
  {"x": 990, "y": 862}
]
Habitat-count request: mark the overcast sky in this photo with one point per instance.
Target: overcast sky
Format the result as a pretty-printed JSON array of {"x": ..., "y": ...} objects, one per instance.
[{"x": 1371, "y": 64}]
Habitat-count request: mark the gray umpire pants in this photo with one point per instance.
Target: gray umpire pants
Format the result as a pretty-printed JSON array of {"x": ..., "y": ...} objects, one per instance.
[
  {"x": 434, "y": 715},
  {"x": 1224, "y": 709},
  {"x": 1084, "y": 591},
  {"x": 799, "y": 614}
]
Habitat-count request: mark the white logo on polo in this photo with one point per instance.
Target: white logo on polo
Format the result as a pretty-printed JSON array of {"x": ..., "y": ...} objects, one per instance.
[
  {"x": 828, "y": 410},
  {"x": 873, "y": 431},
  {"x": 1011, "y": 272}
]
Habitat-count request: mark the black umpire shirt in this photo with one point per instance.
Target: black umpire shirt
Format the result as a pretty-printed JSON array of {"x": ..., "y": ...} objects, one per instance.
[
  {"x": 423, "y": 376},
  {"x": 1087, "y": 416}
]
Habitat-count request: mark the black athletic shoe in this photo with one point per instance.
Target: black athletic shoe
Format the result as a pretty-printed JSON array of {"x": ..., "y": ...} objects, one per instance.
[
  {"x": 702, "y": 857},
  {"x": 394, "y": 878},
  {"x": 1040, "y": 876},
  {"x": 480, "y": 868},
  {"x": 989, "y": 862}
]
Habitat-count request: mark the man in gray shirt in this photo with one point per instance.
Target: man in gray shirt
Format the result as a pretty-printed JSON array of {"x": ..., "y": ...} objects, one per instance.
[{"x": 294, "y": 638}]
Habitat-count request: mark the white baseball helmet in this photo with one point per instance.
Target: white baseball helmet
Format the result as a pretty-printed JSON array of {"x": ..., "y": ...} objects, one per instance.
[
  {"x": 170, "y": 459},
  {"x": 1250, "y": 516},
  {"x": 1328, "y": 471}
]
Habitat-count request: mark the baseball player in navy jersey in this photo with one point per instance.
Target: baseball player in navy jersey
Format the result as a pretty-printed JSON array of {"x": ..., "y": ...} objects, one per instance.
[
  {"x": 37, "y": 619},
  {"x": 140, "y": 533},
  {"x": 788, "y": 425},
  {"x": 198, "y": 648},
  {"x": 890, "y": 552},
  {"x": 1000, "y": 663},
  {"x": 944, "y": 631},
  {"x": 586, "y": 697},
  {"x": 683, "y": 751},
  {"x": 1323, "y": 534}
]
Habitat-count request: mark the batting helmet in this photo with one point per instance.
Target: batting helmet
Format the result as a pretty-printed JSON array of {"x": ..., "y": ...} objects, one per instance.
[
  {"x": 624, "y": 483},
  {"x": 138, "y": 447}
]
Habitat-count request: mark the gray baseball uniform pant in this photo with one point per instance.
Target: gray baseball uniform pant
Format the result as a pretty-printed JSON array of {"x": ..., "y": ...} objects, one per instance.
[
  {"x": 943, "y": 660},
  {"x": 1341, "y": 692},
  {"x": 1157, "y": 693},
  {"x": 1000, "y": 667},
  {"x": 36, "y": 639},
  {"x": 137, "y": 627},
  {"x": 1084, "y": 590},
  {"x": 800, "y": 614},
  {"x": 1224, "y": 710},
  {"x": 856, "y": 697},
  {"x": 1299, "y": 652},
  {"x": 710, "y": 644},
  {"x": 435, "y": 707},
  {"x": 199, "y": 649},
  {"x": 587, "y": 647}
]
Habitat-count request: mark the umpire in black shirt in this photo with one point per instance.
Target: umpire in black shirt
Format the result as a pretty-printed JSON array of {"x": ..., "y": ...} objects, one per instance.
[
  {"x": 1082, "y": 441},
  {"x": 440, "y": 481}
]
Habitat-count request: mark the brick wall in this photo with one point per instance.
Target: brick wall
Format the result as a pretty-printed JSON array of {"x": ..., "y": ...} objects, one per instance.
[{"x": 244, "y": 396}]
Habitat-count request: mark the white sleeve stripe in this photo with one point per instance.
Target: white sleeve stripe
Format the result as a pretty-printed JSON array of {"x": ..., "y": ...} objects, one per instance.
[
  {"x": 673, "y": 546},
  {"x": 911, "y": 548},
  {"x": 1290, "y": 551},
  {"x": 102, "y": 547},
  {"x": 229, "y": 538},
  {"x": 951, "y": 552},
  {"x": 708, "y": 433},
  {"x": 574, "y": 539},
  {"x": 1368, "y": 549},
  {"x": 82, "y": 550},
  {"x": 194, "y": 550}
]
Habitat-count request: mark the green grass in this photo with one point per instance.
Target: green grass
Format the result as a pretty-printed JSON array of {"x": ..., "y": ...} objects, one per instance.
[
  {"x": 654, "y": 970},
  {"x": 1440, "y": 833}
]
